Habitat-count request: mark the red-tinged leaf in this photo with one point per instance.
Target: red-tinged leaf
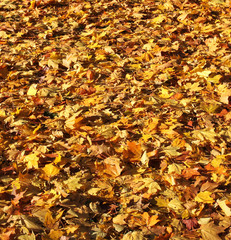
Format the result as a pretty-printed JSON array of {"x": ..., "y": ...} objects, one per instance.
[
  {"x": 190, "y": 123},
  {"x": 90, "y": 75},
  {"x": 177, "y": 96},
  {"x": 222, "y": 113},
  {"x": 38, "y": 101},
  {"x": 190, "y": 223}
]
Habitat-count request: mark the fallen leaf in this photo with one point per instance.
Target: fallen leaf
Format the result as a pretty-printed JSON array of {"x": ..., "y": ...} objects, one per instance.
[
  {"x": 204, "y": 197},
  {"x": 32, "y": 90},
  {"x": 50, "y": 170},
  {"x": 210, "y": 231},
  {"x": 224, "y": 207},
  {"x": 136, "y": 235}
]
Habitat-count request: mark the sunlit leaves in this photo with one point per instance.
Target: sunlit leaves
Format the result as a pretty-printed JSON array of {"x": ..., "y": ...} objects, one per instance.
[
  {"x": 50, "y": 170},
  {"x": 114, "y": 119},
  {"x": 32, "y": 161},
  {"x": 133, "y": 152},
  {"x": 204, "y": 197},
  {"x": 150, "y": 220},
  {"x": 32, "y": 90}
]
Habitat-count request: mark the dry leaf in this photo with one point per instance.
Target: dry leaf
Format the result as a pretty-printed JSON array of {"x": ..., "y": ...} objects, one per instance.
[{"x": 210, "y": 231}]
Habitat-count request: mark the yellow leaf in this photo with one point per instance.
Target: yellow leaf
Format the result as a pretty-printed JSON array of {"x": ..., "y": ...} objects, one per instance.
[
  {"x": 55, "y": 234},
  {"x": 206, "y": 134},
  {"x": 161, "y": 202},
  {"x": 210, "y": 231},
  {"x": 31, "y": 223},
  {"x": 50, "y": 170},
  {"x": 215, "y": 79},
  {"x": 71, "y": 228},
  {"x": 120, "y": 219},
  {"x": 204, "y": 197},
  {"x": 150, "y": 221},
  {"x": 112, "y": 166},
  {"x": 94, "y": 191},
  {"x": 32, "y": 4},
  {"x": 136, "y": 235},
  {"x": 159, "y": 19},
  {"x": 204, "y": 73},
  {"x": 175, "y": 168},
  {"x": 176, "y": 205},
  {"x": 145, "y": 159},
  {"x": 49, "y": 220},
  {"x": 165, "y": 93},
  {"x": 2, "y": 113},
  {"x": 32, "y": 161},
  {"x": 53, "y": 63},
  {"x": 32, "y": 90},
  {"x": 58, "y": 159},
  {"x": 73, "y": 183},
  {"x": 151, "y": 126},
  {"x": 36, "y": 129},
  {"x": 217, "y": 161}
]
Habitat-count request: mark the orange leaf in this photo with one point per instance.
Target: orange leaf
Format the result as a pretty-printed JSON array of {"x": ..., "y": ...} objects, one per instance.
[
  {"x": 150, "y": 221},
  {"x": 90, "y": 74},
  {"x": 133, "y": 152}
]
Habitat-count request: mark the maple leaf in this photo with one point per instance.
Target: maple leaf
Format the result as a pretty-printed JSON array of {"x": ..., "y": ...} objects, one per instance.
[
  {"x": 150, "y": 220},
  {"x": 210, "y": 231},
  {"x": 112, "y": 166},
  {"x": 133, "y": 152},
  {"x": 120, "y": 219},
  {"x": 8, "y": 233},
  {"x": 204, "y": 197},
  {"x": 190, "y": 223},
  {"x": 190, "y": 172},
  {"x": 32, "y": 161},
  {"x": 136, "y": 235},
  {"x": 50, "y": 170}
]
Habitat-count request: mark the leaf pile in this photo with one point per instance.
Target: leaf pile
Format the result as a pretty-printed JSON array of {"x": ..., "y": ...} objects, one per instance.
[{"x": 115, "y": 119}]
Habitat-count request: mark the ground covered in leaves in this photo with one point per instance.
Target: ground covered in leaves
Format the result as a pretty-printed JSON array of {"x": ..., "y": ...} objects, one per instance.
[{"x": 115, "y": 119}]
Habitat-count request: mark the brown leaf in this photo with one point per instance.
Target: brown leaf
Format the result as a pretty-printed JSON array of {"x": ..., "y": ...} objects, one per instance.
[
  {"x": 3, "y": 71},
  {"x": 210, "y": 231}
]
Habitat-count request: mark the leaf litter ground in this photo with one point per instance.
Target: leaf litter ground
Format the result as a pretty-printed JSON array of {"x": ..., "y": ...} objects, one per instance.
[{"x": 115, "y": 119}]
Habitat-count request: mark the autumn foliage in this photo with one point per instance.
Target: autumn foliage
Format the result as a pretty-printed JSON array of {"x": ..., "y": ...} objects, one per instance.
[{"x": 115, "y": 119}]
